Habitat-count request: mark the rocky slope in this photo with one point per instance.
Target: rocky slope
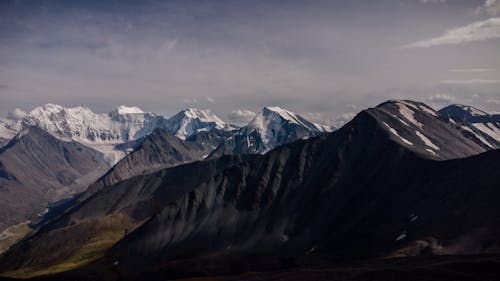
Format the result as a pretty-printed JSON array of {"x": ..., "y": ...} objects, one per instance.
[
  {"x": 370, "y": 189},
  {"x": 482, "y": 126},
  {"x": 157, "y": 151},
  {"x": 36, "y": 168}
]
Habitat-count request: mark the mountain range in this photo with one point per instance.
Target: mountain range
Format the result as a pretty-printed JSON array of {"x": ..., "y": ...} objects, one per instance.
[
  {"x": 399, "y": 180},
  {"x": 153, "y": 142}
]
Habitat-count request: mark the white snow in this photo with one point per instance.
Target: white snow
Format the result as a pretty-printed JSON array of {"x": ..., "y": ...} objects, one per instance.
[
  {"x": 430, "y": 151},
  {"x": 400, "y": 120},
  {"x": 394, "y": 132},
  {"x": 401, "y": 236},
  {"x": 472, "y": 110},
  {"x": 427, "y": 141},
  {"x": 192, "y": 121},
  {"x": 122, "y": 110},
  {"x": 428, "y": 110},
  {"x": 408, "y": 114},
  {"x": 483, "y": 140},
  {"x": 270, "y": 123},
  {"x": 7, "y": 129},
  {"x": 490, "y": 129}
]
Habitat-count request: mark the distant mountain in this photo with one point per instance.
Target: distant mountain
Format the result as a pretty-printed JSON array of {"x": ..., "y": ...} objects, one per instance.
[
  {"x": 8, "y": 129},
  {"x": 370, "y": 189},
  {"x": 482, "y": 126},
  {"x": 422, "y": 130},
  {"x": 192, "y": 121},
  {"x": 36, "y": 168},
  {"x": 270, "y": 128},
  {"x": 159, "y": 150},
  {"x": 108, "y": 133}
]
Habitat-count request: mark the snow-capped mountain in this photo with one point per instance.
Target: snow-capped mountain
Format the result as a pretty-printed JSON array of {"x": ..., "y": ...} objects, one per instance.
[
  {"x": 81, "y": 124},
  {"x": 479, "y": 124},
  {"x": 107, "y": 132},
  {"x": 271, "y": 127},
  {"x": 421, "y": 129},
  {"x": 192, "y": 121}
]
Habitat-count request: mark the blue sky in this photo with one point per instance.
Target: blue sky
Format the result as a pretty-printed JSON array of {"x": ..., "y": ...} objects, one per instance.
[{"x": 324, "y": 59}]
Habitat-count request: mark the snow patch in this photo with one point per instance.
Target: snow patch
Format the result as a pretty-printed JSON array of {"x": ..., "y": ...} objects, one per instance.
[
  {"x": 430, "y": 151},
  {"x": 400, "y": 120},
  {"x": 394, "y": 132},
  {"x": 408, "y": 114},
  {"x": 427, "y": 141},
  {"x": 483, "y": 140},
  {"x": 490, "y": 129},
  {"x": 428, "y": 110},
  {"x": 122, "y": 110},
  {"x": 401, "y": 236}
]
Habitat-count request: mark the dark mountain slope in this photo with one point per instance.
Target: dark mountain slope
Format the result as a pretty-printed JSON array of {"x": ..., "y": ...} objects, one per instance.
[
  {"x": 86, "y": 230},
  {"x": 36, "y": 168},
  {"x": 481, "y": 126},
  {"x": 281, "y": 200},
  {"x": 159, "y": 150},
  {"x": 350, "y": 193}
]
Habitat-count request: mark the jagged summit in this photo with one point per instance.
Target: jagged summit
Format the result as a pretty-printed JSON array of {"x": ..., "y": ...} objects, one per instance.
[
  {"x": 468, "y": 113},
  {"x": 480, "y": 125},
  {"x": 421, "y": 129},
  {"x": 123, "y": 110},
  {"x": 270, "y": 128},
  {"x": 192, "y": 120}
]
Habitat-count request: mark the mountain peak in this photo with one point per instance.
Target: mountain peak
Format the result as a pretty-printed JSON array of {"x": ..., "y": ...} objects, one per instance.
[
  {"x": 193, "y": 120},
  {"x": 122, "y": 110},
  {"x": 462, "y": 112}
]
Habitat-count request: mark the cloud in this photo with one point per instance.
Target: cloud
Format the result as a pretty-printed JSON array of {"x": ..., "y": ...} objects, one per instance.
[
  {"x": 493, "y": 101},
  {"x": 240, "y": 116},
  {"x": 470, "y": 81},
  {"x": 342, "y": 119},
  {"x": 477, "y": 31},
  {"x": 490, "y": 7},
  {"x": 471, "y": 70},
  {"x": 440, "y": 99},
  {"x": 210, "y": 100},
  {"x": 432, "y": 1},
  {"x": 190, "y": 100},
  {"x": 17, "y": 114}
]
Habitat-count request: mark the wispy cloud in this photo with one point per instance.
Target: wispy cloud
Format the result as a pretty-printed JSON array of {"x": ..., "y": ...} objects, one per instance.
[
  {"x": 190, "y": 100},
  {"x": 240, "y": 116},
  {"x": 490, "y": 7},
  {"x": 440, "y": 99},
  {"x": 471, "y": 81},
  {"x": 471, "y": 70},
  {"x": 477, "y": 31},
  {"x": 432, "y": 1}
]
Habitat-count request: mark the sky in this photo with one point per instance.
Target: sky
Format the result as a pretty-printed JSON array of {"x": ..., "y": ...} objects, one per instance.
[{"x": 324, "y": 59}]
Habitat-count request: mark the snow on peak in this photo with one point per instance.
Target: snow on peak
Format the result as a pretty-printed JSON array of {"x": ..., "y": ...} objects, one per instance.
[
  {"x": 192, "y": 120},
  {"x": 470, "y": 109},
  {"x": 275, "y": 125},
  {"x": 81, "y": 124},
  {"x": 122, "y": 110}
]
